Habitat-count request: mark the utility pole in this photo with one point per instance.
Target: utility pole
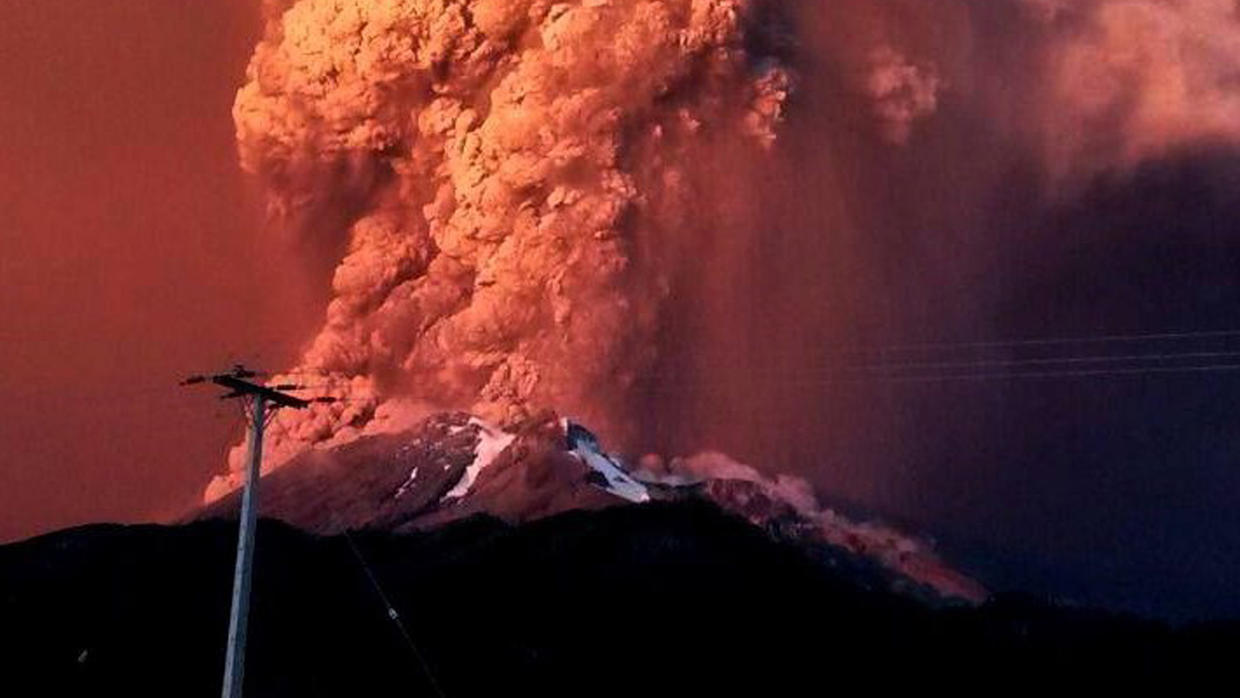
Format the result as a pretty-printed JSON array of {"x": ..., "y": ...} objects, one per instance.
[
  {"x": 238, "y": 617},
  {"x": 258, "y": 396}
]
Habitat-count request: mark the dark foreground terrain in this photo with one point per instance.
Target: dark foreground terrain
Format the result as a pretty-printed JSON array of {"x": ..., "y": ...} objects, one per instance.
[{"x": 659, "y": 599}]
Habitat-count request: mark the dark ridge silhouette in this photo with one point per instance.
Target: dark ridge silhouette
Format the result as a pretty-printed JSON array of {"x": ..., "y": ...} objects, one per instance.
[{"x": 666, "y": 598}]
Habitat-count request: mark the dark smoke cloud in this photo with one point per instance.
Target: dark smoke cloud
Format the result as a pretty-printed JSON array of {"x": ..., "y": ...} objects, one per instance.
[
  {"x": 925, "y": 144},
  {"x": 1026, "y": 204},
  {"x": 593, "y": 206},
  {"x": 516, "y": 164}
]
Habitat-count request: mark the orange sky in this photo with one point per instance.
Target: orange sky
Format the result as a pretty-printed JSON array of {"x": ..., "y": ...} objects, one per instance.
[
  {"x": 127, "y": 256},
  {"x": 131, "y": 253}
]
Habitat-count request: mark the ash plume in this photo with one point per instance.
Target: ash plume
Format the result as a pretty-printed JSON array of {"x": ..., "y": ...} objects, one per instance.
[
  {"x": 614, "y": 208},
  {"x": 511, "y": 168}
]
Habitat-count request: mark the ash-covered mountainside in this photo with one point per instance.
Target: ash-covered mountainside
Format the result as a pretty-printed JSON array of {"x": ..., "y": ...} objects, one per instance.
[
  {"x": 662, "y": 599},
  {"x": 453, "y": 466}
]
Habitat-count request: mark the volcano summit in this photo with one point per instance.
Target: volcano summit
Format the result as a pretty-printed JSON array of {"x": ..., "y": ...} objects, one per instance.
[
  {"x": 454, "y": 466},
  {"x": 463, "y": 559}
]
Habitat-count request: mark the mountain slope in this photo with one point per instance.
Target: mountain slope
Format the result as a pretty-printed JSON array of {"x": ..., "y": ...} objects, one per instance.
[
  {"x": 659, "y": 600},
  {"x": 453, "y": 466}
]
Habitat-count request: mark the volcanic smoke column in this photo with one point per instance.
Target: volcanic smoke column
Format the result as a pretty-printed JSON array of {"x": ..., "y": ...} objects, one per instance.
[{"x": 506, "y": 173}]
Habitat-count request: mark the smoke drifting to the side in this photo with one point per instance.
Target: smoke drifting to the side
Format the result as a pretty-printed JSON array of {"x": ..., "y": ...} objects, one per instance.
[
  {"x": 620, "y": 209},
  {"x": 1089, "y": 83},
  {"x": 1122, "y": 81}
]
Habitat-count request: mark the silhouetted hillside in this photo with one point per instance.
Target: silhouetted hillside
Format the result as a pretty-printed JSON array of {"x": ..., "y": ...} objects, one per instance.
[{"x": 656, "y": 599}]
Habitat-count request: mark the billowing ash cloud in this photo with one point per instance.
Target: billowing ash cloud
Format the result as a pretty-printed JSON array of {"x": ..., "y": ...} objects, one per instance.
[
  {"x": 510, "y": 168},
  {"x": 1132, "y": 80},
  {"x": 1093, "y": 82},
  {"x": 902, "y": 92},
  {"x": 583, "y": 205}
]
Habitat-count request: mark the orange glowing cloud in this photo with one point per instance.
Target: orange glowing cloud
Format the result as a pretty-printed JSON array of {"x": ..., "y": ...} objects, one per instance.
[
  {"x": 512, "y": 165},
  {"x": 1133, "y": 79}
]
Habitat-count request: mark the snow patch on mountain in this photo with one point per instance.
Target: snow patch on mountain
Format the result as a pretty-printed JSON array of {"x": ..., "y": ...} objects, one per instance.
[
  {"x": 611, "y": 475},
  {"x": 413, "y": 477},
  {"x": 455, "y": 465},
  {"x": 491, "y": 442}
]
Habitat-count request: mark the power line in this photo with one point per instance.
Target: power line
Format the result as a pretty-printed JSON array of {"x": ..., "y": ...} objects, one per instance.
[
  {"x": 1149, "y": 370},
  {"x": 856, "y": 380},
  {"x": 1045, "y": 341},
  {"x": 1048, "y": 361},
  {"x": 391, "y": 613},
  {"x": 822, "y": 370},
  {"x": 374, "y": 581}
]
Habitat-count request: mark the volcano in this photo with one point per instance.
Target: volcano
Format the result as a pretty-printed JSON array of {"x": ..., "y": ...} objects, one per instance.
[
  {"x": 462, "y": 559},
  {"x": 454, "y": 466}
]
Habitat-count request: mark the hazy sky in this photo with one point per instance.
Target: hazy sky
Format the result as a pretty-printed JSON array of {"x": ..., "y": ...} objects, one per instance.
[
  {"x": 132, "y": 253},
  {"x": 128, "y": 255}
]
